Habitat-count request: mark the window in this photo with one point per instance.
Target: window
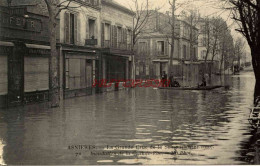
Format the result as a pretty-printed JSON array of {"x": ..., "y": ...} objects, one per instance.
[
  {"x": 107, "y": 31},
  {"x": 72, "y": 29},
  {"x": 91, "y": 24},
  {"x": 129, "y": 34},
  {"x": 142, "y": 47},
  {"x": 67, "y": 72},
  {"x": 119, "y": 35},
  {"x": 78, "y": 73},
  {"x": 160, "y": 47},
  {"x": 184, "y": 51},
  {"x": 70, "y": 36},
  {"x": 36, "y": 74}
]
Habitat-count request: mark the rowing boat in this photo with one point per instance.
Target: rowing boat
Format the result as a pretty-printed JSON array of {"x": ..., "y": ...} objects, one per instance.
[{"x": 192, "y": 88}]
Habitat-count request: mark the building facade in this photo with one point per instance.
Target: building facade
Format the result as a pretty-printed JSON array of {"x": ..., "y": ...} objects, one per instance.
[
  {"x": 91, "y": 44},
  {"x": 154, "y": 49},
  {"x": 24, "y": 54}
]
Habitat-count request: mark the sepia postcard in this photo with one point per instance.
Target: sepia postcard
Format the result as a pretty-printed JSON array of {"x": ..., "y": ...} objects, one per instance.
[{"x": 129, "y": 82}]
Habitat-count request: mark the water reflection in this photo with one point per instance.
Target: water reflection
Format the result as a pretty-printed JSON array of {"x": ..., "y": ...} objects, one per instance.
[{"x": 172, "y": 120}]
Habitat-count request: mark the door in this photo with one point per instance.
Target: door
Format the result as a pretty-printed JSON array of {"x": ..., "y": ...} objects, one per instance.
[{"x": 88, "y": 73}]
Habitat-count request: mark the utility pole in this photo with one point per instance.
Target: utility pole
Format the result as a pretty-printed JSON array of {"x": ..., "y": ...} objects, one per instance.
[{"x": 172, "y": 35}]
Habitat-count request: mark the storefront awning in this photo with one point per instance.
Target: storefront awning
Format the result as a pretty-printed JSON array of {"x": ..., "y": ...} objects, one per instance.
[
  {"x": 8, "y": 44},
  {"x": 38, "y": 46},
  {"x": 160, "y": 60}
]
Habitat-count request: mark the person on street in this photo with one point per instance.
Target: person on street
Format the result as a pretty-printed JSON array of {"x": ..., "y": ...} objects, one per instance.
[
  {"x": 204, "y": 83},
  {"x": 164, "y": 79}
]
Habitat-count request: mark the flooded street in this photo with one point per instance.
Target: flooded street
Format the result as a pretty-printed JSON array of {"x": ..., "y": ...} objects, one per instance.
[{"x": 209, "y": 127}]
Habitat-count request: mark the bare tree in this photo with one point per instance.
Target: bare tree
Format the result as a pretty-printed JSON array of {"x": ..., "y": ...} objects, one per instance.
[
  {"x": 54, "y": 8},
  {"x": 246, "y": 13},
  {"x": 141, "y": 18},
  {"x": 239, "y": 49}
]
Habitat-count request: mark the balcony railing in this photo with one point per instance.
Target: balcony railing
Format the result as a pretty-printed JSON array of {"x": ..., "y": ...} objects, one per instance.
[
  {"x": 91, "y": 42},
  {"x": 119, "y": 45}
]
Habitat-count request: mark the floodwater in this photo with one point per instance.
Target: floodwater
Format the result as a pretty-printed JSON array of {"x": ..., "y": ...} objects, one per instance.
[{"x": 135, "y": 126}]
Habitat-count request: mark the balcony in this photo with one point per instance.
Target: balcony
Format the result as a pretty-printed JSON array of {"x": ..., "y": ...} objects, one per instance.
[{"x": 91, "y": 42}]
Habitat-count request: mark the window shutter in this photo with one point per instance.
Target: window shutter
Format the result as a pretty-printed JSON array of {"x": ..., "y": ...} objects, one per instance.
[
  {"x": 102, "y": 34},
  {"x": 125, "y": 37},
  {"x": 166, "y": 48},
  {"x": 67, "y": 28},
  {"x": 115, "y": 36},
  {"x": 112, "y": 36},
  {"x": 87, "y": 29},
  {"x": 76, "y": 29},
  {"x": 155, "y": 47}
]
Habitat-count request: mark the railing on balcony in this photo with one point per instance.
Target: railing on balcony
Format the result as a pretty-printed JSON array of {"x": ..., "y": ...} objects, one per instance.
[
  {"x": 119, "y": 45},
  {"x": 91, "y": 42}
]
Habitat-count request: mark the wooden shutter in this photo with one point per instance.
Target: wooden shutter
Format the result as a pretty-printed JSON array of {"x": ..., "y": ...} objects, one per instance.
[
  {"x": 102, "y": 34},
  {"x": 87, "y": 29},
  {"x": 115, "y": 36},
  {"x": 76, "y": 29},
  {"x": 125, "y": 37},
  {"x": 155, "y": 47},
  {"x": 3, "y": 75},
  {"x": 67, "y": 28},
  {"x": 111, "y": 36},
  {"x": 166, "y": 47}
]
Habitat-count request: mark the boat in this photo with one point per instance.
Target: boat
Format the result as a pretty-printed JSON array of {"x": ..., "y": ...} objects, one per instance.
[{"x": 192, "y": 88}]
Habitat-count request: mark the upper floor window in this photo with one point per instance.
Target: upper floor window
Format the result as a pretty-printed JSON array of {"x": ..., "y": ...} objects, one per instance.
[
  {"x": 184, "y": 51},
  {"x": 70, "y": 28},
  {"x": 142, "y": 47},
  {"x": 107, "y": 31},
  {"x": 160, "y": 47},
  {"x": 129, "y": 36},
  {"x": 91, "y": 24},
  {"x": 119, "y": 35}
]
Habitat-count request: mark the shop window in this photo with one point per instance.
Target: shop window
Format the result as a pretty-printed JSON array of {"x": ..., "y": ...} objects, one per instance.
[{"x": 36, "y": 74}]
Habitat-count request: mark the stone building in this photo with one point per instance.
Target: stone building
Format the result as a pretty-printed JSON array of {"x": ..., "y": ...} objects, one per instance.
[
  {"x": 154, "y": 48},
  {"x": 96, "y": 45},
  {"x": 93, "y": 42},
  {"x": 24, "y": 53}
]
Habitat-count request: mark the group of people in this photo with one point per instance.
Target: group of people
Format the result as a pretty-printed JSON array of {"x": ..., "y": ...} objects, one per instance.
[{"x": 174, "y": 83}]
